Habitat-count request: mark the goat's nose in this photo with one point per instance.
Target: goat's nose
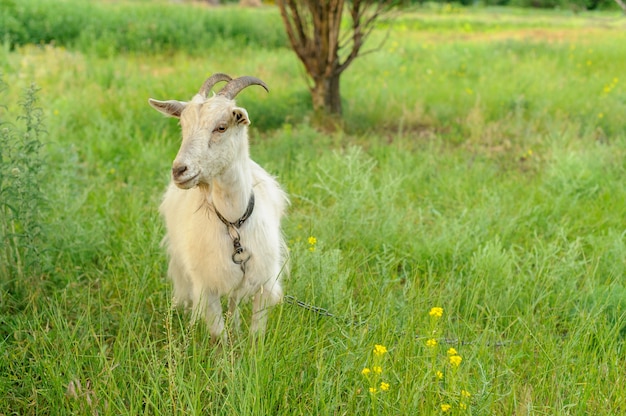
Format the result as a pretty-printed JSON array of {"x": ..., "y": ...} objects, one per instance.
[{"x": 178, "y": 170}]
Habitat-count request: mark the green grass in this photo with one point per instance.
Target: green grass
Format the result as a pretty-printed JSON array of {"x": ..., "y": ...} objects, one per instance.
[
  {"x": 480, "y": 170},
  {"x": 107, "y": 28}
]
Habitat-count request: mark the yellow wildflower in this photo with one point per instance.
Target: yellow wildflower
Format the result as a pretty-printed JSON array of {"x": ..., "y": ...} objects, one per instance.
[
  {"x": 445, "y": 407},
  {"x": 312, "y": 240},
  {"x": 465, "y": 393},
  {"x": 436, "y": 312},
  {"x": 431, "y": 342},
  {"x": 366, "y": 371},
  {"x": 379, "y": 350},
  {"x": 377, "y": 369},
  {"x": 462, "y": 406},
  {"x": 439, "y": 375},
  {"x": 373, "y": 390},
  {"x": 455, "y": 360},
  {"x": 452, "y": 351},
  {"x": 384, "y": 386}
]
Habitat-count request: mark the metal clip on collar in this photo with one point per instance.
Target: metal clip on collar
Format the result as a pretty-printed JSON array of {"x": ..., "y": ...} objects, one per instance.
[{"x": 238, "y": 256}]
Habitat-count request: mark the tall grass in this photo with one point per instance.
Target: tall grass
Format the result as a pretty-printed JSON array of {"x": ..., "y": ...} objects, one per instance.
[
  {"x": 479, "y": 172},
  {"x": 123, "y": 27}
]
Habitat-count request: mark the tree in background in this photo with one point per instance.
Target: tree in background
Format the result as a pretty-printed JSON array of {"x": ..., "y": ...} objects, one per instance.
[{"x": 326, "y": 49}]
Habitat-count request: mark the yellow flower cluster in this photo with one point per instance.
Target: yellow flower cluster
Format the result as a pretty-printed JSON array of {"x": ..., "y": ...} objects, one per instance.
[
  {"x": 436, "y": 312},
  {"x": 379, "y": 350},
  {"x": 383, "y": 387},
  {"x": 312, "y": 242},
  {"x": 455, "y": 360},
  {"x": 451, "y": 402},
  {"x": 454, "y": 357},
  {"x": 373, "y": 374}
]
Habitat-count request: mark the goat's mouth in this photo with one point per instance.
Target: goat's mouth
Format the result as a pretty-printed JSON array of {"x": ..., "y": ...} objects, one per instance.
[{"x": 186, "y": 183}]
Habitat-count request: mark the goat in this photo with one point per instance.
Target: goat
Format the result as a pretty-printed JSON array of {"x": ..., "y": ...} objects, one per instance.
[{"x": 222, "y": 211}]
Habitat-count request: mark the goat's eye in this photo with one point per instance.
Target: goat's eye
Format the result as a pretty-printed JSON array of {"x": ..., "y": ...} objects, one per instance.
[{"x": 220, "y": 128}]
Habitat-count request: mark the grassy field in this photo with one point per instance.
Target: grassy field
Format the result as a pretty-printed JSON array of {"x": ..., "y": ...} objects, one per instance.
[{"x": 480, "y": 170}]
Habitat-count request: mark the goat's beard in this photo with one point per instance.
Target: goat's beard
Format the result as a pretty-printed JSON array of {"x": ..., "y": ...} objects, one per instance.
[{"x": 204, "y": 187}]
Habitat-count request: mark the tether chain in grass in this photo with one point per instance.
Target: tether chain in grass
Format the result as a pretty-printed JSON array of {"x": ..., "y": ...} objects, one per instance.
[{"x": 321, "y": 311}]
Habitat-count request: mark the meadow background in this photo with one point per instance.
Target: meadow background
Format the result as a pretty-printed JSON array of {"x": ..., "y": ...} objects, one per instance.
[{"x": 480, "y": 170}]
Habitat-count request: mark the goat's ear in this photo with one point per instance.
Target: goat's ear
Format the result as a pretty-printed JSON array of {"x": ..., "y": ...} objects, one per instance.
[
  {"x": 171, "y": 108},
  {"x": 240, "y": 115}
]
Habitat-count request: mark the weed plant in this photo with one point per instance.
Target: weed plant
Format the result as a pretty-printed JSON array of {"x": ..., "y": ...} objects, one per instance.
[
  {"x": 23, "y": 205},
  {"x": 473, "y": 207}
]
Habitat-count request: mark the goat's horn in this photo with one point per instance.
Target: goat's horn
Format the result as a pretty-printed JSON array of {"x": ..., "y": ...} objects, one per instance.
[
  {"x": 235, "y": 86},
  {"x": 211, "y": 81}
]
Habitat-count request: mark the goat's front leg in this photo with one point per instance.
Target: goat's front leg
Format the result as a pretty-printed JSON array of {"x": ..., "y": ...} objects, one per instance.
[
  {"x": 233, "y": 312},
  {"x": 212, "y": 310}
]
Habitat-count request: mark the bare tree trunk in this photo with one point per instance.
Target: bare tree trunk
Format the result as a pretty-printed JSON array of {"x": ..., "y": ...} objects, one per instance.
[
  {"x": 621, "y": 4},
  {"x": 315, "y": 34},
  {"x": 326, "y": 94}
]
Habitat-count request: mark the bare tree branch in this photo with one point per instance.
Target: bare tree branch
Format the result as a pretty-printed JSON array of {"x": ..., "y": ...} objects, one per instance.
[{"x": 362, "y": 29}]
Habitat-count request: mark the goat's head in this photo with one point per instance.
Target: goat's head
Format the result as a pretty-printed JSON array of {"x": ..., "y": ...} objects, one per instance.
[{"x": 214, "y": 130}]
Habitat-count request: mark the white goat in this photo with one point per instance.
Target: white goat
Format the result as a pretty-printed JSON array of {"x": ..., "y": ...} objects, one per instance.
[{"x": 222, "y": 211}]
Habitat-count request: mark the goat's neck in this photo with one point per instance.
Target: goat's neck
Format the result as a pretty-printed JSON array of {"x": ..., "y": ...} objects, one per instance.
[{"x": 231, "y": 190}]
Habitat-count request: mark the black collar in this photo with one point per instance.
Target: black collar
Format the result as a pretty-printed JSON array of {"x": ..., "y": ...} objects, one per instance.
[{"x": 243, "y": 218}]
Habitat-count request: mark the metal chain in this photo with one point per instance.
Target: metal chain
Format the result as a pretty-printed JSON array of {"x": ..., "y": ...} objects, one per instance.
[{"x": 321, "y": 311}]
